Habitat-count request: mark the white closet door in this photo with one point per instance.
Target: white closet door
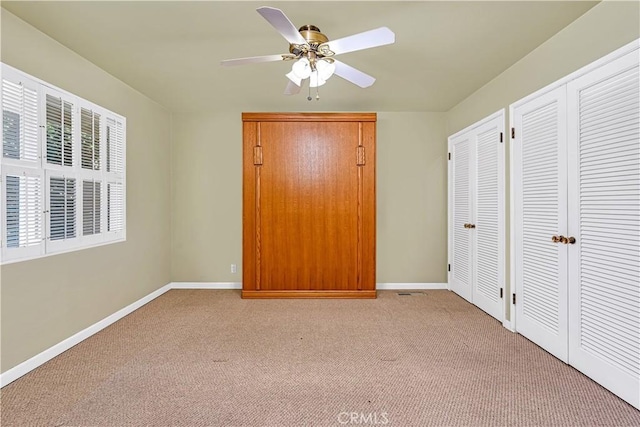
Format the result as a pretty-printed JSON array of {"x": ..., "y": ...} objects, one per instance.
[
  {"x": 461, "y": 276},
  {"x": 539, "y": 191},
  {"x": 604, "y": 217},
  {"x": 488, "y": 234}
]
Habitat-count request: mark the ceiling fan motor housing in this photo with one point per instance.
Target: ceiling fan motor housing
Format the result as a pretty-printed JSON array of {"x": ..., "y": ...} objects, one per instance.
[{"x": 312, "y": 35}]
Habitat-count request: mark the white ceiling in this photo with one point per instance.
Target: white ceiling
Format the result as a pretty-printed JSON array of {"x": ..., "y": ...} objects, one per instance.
[{"x": 171, "y": 50}]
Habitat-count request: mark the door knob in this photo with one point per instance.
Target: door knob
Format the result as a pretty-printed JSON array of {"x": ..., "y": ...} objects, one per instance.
[
  {"x": 466, "y": 225},
  {"x": 556, "y": 239},
  {"x": 569, "y": 240},
  {"x": 472, "y": 226}
]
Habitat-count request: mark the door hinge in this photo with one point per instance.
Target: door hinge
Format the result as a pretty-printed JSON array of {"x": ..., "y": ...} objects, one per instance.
[
  {"x": 449, "y": 156},
  {"x": 513, "y": 133},
  {"x": 513, "y": 299},
  {"x": 501, "y": 293},
  {"x": 449, "y": 267},
  {"x": 501, "y": 137},
  {"x": 257, "y": 155},
  {"x": 360, "y": 158}
]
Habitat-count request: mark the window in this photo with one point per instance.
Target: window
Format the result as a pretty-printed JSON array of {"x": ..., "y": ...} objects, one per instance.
[{"x": 62, "y": 170}]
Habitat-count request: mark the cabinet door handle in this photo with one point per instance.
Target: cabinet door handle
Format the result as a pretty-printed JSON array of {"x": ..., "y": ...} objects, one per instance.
[
  {"x": 472, "y": 226},
  {"x": 563, "y": 240}
]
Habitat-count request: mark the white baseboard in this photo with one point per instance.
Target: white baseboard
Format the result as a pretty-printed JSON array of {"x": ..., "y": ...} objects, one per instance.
[
  {"x": 410, "y": 286},
  {"x": 41, "y": 358},
  {"x": 238, "y": 285},
  {"x": 205, "y": 285}
]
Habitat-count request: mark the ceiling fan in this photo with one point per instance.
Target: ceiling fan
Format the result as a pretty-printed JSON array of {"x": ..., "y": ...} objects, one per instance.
[{"x": 313, "y": 53}]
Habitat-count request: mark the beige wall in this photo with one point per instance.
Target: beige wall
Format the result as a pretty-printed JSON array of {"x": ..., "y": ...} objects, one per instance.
[
  {"x": 601, "y": 30},
  {"x": 411, "y": 196},
  {"x": 47, "y": 300},
  {"x": 207, "y": 197}
]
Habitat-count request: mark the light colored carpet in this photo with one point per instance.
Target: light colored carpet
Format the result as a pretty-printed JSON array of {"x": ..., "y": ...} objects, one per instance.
[{"x": 209, "y": 358}]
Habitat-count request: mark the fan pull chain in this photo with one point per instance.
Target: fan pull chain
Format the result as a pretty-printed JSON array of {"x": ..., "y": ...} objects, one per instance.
[{"x": 317, "y": 87}]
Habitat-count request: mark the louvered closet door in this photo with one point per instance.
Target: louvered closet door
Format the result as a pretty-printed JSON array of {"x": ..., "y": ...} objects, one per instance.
[
  {"x": 539, "y": 162},
  {"x": 604, "y": 217},
  {"x": 488, "y": 217},
  {"x": 461, "y": 256}
]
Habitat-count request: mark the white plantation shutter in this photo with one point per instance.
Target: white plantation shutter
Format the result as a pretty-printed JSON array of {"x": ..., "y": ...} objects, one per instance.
[
  {"x": 604, "y": 216},
  {"x": 488, "y": 217},
  {"x": 539, "y": 153},
  {"x": 59, "y": 127},
  {"x": 115, "y": 145},
  {"x": 63, "y": 209},
  {"x": 90, "y": 139},
  {"x": 115, "y": 207},
  {"x": 91, "y": 207},
  {"x": 22, "y": 203},
  {"x": 20, "y": 128},
  {"x": 461, "y": 272},
  {"x": 115, "y": 169}
]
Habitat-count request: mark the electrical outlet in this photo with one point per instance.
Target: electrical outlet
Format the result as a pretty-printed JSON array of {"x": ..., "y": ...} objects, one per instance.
[{"x": 234, "y": 268}]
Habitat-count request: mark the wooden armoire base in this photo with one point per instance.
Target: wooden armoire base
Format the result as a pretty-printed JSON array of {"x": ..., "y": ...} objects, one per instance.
[
  {"x": 309, "y": 205},
  {"x": 309, "y": 294}
]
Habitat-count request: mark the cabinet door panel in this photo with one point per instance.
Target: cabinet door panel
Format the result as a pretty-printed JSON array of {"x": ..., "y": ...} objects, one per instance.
[
  {"x": 604, "y": 217},
  {"x": 461, "y": 277},
  {"x": 540, "y": 188},
  {"x": 489, "y": 217},
  {"x": 309, "y": 206}
]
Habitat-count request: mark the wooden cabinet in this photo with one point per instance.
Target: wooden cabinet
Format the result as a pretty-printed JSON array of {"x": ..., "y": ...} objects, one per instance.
[{"x": 309, "y": 205}]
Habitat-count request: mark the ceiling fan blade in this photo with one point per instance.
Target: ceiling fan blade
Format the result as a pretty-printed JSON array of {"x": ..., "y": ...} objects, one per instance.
[
  {"x": 251, "y": 60},
  {"x": 373, "y": 38},
  {"x": 282, "y": 24},
  {"x": 292, "y": 88},
  {"x": 353, "y": 75}
]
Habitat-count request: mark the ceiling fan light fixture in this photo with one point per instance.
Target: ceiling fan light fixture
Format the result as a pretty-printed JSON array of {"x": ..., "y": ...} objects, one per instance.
[
  {"x": 325, "y": 68},
  {"x": 294, "y": 78},
  {"x": 301, "y": 68},
  {"x": 311, "y": 52}
]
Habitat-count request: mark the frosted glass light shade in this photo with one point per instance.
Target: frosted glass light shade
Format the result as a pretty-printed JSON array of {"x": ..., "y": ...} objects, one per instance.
[
  {"x": 295, "y": 79},
  {"x": 315, "y": 80},
  {"x": 301, "y": 68},
  {"x": 325, "y": 69}
]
